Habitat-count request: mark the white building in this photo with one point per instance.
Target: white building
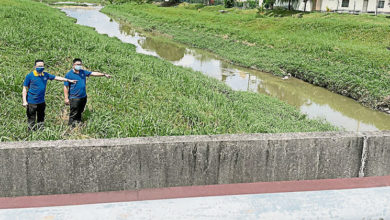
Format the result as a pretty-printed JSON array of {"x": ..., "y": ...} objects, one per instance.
[{"x": 358, "y": 6}]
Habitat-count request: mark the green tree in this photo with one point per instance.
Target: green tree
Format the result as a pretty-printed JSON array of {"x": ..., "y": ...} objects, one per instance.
[
  {"x": 269, "y": 4},
  {"x": 229, "y": 3}
]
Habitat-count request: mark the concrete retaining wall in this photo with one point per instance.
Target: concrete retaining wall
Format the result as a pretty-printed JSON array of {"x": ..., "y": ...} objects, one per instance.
[{"x": 54, "y": 167}]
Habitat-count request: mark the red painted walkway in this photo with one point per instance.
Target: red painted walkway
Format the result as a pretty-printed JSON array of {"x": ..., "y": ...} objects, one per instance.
[{"x": 192, "y": 191}]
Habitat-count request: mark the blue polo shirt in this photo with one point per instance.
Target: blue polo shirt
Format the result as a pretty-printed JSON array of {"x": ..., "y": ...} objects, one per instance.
[
  {"x": 36, "y": 84},
  {"x": 77, "y": 90}
]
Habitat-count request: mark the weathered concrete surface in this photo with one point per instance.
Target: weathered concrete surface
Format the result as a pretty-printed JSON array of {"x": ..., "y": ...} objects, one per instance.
[
  {"x": 53, "y": 167},
  {"x": 378, "y": 154}
]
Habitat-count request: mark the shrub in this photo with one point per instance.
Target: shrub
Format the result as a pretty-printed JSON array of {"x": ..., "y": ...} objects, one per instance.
[
  {"x": 229, "y": 3},
  {"x": 253, "y": 4}
]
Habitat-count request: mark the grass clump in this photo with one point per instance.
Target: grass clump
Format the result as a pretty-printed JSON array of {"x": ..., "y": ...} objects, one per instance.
[
  {"x": 344, "y": 53},
  {"x": 278, "y": 12},
  {"x": 146, "y": 97}
]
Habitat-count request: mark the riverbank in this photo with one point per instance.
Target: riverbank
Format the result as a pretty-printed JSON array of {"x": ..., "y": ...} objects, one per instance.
[
  {"x": 146, "y": 97},
  {"x": 72, "y": 2},
  {"x": 344, "y": 53},
  {"x": 82, "y": 3}
]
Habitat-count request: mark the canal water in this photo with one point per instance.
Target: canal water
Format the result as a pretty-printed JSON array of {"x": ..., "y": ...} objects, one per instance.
[{"x": 314, "y": 101}]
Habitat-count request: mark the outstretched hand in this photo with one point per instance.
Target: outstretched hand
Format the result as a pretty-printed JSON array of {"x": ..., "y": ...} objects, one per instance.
[
  {"x": 107, "y": 75},
  {"x": 72, "y": 80}
]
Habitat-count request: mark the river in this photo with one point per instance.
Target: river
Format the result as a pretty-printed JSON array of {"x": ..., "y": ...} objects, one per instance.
[{"x": 314, "y": 101}]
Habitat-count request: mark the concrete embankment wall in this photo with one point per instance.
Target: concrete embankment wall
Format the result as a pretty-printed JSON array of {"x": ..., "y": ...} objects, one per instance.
[{"x": 56, "y": 167}]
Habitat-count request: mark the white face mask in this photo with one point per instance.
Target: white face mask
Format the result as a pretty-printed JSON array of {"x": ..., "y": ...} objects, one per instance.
[{"x": 77, "y": 67}]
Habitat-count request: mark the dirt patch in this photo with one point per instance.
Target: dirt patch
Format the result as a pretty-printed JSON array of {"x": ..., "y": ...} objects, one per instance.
[{"x": 249, "y": 43}]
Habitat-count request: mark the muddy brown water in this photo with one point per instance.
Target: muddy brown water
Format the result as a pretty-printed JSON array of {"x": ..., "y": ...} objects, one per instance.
[{"x": 314, "y": 101}]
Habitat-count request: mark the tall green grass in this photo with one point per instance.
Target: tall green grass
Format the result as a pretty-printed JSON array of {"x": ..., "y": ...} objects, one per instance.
[
  {"x": 76, "y": 1},
  {"x": 146, "y": 97},
  {"x": 344, "y": 53}
]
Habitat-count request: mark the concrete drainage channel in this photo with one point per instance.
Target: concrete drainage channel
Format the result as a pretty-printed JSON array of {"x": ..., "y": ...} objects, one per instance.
[{"x": 80, "y": 166}]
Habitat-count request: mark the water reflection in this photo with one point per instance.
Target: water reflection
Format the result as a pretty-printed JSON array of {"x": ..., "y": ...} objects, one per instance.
[
  {"x": 314, "y": 101},
  {"x": 165, "y": 51}
]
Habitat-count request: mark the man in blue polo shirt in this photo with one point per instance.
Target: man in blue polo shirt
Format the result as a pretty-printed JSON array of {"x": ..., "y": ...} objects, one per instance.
[
  {"x": 34, "y": 89},
  {"x": 76, "y": 94}
]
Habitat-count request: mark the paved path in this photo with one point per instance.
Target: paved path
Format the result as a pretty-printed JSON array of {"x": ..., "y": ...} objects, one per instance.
[{"x": 358, "y": 198}]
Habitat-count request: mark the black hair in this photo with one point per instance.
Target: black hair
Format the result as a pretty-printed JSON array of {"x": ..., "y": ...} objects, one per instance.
[
  {"x": 76, "y": 60},
  {"x": 37, "y": 61}
]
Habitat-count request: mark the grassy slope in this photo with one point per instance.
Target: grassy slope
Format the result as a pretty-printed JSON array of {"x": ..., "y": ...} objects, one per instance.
[
  {"x": 147, "y": 96},
  {"x": 344, "y": 53},
  {"x": 77, "y": 1}
]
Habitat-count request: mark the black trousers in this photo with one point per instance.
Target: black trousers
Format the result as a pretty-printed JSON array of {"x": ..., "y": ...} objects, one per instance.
[
  {"x": 35, "y": 111},
  {"x": 76, "y": 108}
]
